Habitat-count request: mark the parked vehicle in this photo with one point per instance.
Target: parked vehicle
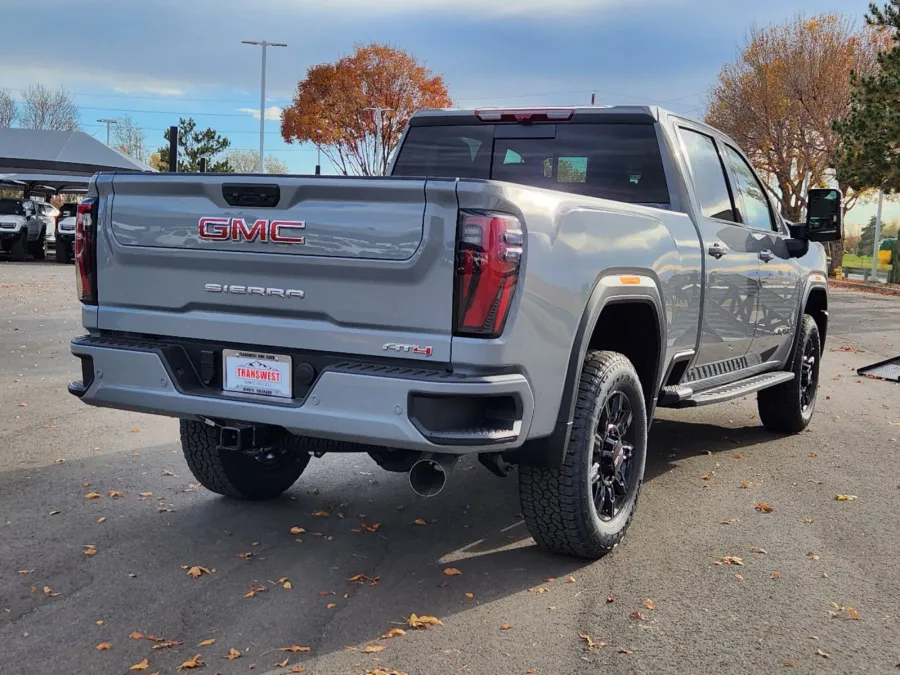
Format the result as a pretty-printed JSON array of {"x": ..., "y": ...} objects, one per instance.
[
  {"x": 528, "y": 286},
  {"x": 23, "y": 225},
  {"x": 65, "y": 233}
]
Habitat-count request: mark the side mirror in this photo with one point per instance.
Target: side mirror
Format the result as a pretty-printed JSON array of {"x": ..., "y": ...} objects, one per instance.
[{"x": 824, "y": 215}]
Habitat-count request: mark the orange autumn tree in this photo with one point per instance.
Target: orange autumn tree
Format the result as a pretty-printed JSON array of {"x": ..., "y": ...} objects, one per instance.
[{"x": 334, "y": 108}]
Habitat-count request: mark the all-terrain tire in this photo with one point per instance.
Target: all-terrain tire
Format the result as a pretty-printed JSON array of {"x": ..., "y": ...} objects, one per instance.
[
  {"x": 235, "y": 474},
  {"x": 558, "y": 503},
  {"x": 17, "y": 248},
  {"x": 783, "y": 408}
]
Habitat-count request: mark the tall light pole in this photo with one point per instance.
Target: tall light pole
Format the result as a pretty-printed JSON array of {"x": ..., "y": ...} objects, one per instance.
[
  {"x": 379, "y": 121},
  {"x": 262, "y": 96},
  {"x": 107, "y": 123}
]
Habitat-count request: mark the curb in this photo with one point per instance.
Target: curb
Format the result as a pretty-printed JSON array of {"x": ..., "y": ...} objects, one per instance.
[{"x": 864, "y": 287}]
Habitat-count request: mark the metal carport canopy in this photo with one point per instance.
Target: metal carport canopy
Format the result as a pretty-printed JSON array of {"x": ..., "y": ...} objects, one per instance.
[
  {"x": 73, "y": 153},
  {"x": 45, "y": 182}
]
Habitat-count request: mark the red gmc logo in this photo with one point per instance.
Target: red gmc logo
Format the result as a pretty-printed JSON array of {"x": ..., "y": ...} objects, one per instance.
[{"x": 237, "y": 229}]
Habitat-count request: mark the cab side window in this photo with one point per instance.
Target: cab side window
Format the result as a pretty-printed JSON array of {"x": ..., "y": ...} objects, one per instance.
[
  {"x": 708, "y": 176},
  {"x": 757, "y": 213}
]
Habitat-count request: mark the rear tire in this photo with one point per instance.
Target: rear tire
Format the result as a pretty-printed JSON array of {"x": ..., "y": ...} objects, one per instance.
[
  {"x": 235, "y": 474},
  {"x": 584, "y": 507},
  {"x": 17, "y": 248},
  {"x": 37, "y": 250},
  {"x": 788, "y": 407}
]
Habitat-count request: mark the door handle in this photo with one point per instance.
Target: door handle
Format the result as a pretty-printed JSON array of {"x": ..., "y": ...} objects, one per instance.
[
  {"x": 766, "y": 255},
  {"x": 717, "y": 250}
]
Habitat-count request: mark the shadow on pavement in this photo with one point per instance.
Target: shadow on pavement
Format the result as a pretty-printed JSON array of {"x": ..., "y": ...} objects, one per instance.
[{"x": 136, "y": 582}]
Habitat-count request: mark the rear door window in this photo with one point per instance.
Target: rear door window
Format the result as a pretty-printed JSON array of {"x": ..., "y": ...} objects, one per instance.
[
  {"x": 708, "y": 176},
  {"x": 610, "y": 161},
  {"x": 756, "y": 213}
]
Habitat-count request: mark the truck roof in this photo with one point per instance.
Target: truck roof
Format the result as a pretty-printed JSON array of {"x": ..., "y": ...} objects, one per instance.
[{"x": 634, "y": 114}]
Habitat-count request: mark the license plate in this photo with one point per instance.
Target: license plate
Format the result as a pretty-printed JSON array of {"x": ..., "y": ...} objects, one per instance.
[{"x": 257, "y": 373}]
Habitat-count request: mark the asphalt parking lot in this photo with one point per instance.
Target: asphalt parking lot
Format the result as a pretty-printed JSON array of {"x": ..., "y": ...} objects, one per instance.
[{"x": 78, "y": 573}]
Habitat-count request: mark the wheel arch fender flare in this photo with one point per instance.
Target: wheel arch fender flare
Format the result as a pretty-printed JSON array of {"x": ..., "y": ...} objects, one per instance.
[{"x": 617, "y": 286}]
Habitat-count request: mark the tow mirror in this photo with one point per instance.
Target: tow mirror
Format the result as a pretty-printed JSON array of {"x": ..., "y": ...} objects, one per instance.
[{"x": 824, "y": 215}]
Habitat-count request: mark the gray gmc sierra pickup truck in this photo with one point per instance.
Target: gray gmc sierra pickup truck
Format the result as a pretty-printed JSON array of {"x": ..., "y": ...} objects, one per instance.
[{"x": 527, "y": 285}]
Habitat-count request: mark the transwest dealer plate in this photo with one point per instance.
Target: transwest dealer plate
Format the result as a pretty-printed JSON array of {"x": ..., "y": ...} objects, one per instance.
[{"x": 255, "y": 373}]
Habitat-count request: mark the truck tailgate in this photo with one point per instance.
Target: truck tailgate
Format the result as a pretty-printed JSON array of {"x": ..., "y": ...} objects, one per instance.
[{"x": 344, "y": 265}]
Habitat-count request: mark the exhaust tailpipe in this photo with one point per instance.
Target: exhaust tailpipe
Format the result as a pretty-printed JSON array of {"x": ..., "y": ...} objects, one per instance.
[{"x": 428, "y": 476}]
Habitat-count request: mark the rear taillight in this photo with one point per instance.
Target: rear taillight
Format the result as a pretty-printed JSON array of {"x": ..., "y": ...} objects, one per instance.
[
  {"x": 86, "y": 251},
  {"x": 488, "y": 256}
]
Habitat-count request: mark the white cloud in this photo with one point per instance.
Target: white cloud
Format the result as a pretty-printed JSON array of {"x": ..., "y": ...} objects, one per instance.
[
  {"x": 273, "y": 112},
  {"x": 74, "y": 77},
  {"x": 492, "y": 7}
]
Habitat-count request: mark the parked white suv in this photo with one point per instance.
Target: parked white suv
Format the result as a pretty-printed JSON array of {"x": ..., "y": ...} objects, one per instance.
[{"x": 23, "y": 226}]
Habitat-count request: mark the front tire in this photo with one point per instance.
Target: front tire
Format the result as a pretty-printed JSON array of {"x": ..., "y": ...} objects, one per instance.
[
  {"x": 17, "y": 248},
  {"x": 788, "y": 407},
  {"x": 584, "y": 507},
  {"x": 238, "y": 475}
]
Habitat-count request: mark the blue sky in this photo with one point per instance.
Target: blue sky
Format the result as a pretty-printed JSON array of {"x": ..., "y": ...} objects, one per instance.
[{"x": 161, "y": 59}]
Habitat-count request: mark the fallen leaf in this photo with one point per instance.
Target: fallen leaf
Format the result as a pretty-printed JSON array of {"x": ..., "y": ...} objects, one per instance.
[
  {"x": 649, "y": 604},
  {"x": 393, "y": 632},
  {"x": 254, "y": 543},
  {"x": 505, "y": 626},
  {"x": 812, "y": 555},
  {"x": 283, "y": 664},
  {"x": 754, "y": 549},
  {"x": 166, "y": 472},
  {"x": 419, "y": 521},
  {"x": 622, "y": 650},
  {"x": 730, "y": 521},
  {"x": 254, "y": 590},
  {"x": 92, "y": 495},
  {"x": 49, "y": 592},
  {"x": 294, "y": 649},
  {"x": 101, "y": 519},
  {"x": 373, "y": 649},
  {"x": 424, "y": 621},
  {"x": 539, "y": 591},
  {"x": 776, "y": 575},
  {"x": 99, "y": 623},
  {"x": 708, "y": 476},
  {"x": 297, "y": 530},
  {"x": 287, "y": 585},
  {"x": 531, "y": 671},
  {"x": 103, "y": 646},
  {"x": 362, "y": 578},
  {"x": 196, "y": 571},
  {"x": 762, "y": 507},
  {"x": 788, "y": 664},
  {"x": 330, "y": 605},
  {"x": 165, "y": 644},
  {"x": 325, "y": 593},
  {"x": 808, "y": 521},
  {"x": 135, "y": 431},
  {"x": 155, "y": 638},
  {"x": 370, "y": 528},
  {"x": 639, "y": 616},
  {"x": 136, "y": 636},
  {"x": 141, "y": 665},
  {"x": 470, "y": 595},
  {"x": 207, "y": 643},
  {"x": 745, "y": 485},
  {"x": 115, "y": 494},
  {"x": 54, "y": 513},
  {"x": 570, "y": 580},
  {"x": 845, "y": 498},
  {"x": 298, "y": 669},
  {"x": 193, "y": 662},
  {"x": 823, "y": 654},
  {"x": 589, "y": 642},
  {"x": 233, "y": 654},
  {"x": 145, "y": 495},
  {"x": 89, "y": 549},
  {"x": 245, "y": 555},
  {"x": 320, "y": 514},
  {"x": 739, "y": 577},
  {"x": 610, "y": 599},
  {"x": 25, "y": 571},
  {"x": 853, "y": 613},
  {"x": 729, "y": 560}
]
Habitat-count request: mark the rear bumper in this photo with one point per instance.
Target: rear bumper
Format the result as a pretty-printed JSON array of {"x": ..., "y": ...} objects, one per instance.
[{"x": 354, "y": 403}]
